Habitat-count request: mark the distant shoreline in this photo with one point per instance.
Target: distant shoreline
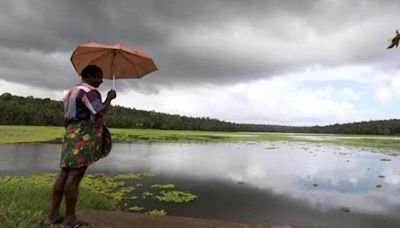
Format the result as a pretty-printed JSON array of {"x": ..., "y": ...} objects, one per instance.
[{"x": 14, "y": 134}]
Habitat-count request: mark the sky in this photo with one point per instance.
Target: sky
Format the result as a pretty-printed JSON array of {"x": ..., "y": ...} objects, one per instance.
[{"x": 299, "y": 63}]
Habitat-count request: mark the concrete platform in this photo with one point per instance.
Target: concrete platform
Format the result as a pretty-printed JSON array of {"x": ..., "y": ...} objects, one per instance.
[{"x": 127, "y": 219}]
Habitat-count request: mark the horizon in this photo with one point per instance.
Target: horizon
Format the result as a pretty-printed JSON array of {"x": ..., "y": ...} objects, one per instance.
[
  {"x": 214, "y": 118},
  {"x": 283, "y": 63}
]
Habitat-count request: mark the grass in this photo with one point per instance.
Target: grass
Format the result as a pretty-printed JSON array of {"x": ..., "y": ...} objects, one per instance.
[
  {"x": 30, "y": 134},
  {"x": 25, "y": 200},
  {"x": 39, "y": 134}
]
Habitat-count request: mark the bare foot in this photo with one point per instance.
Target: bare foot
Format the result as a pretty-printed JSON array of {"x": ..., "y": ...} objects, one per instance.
[{"x": 74, "y": 224}]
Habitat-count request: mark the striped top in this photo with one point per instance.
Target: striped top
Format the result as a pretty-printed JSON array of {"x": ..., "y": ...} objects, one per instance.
[{"x": 82, "y": 102}]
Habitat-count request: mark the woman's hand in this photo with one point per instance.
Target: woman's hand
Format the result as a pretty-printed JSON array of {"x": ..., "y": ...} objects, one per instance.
[{"x": 111, "y": 94}]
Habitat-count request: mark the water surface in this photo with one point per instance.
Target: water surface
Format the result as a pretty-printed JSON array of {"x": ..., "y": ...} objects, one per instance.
[{"x": 284, "y": 183}]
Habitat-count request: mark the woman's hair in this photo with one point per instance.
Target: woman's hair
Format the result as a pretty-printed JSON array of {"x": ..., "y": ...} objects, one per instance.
[{"x": 90, "y": 70}]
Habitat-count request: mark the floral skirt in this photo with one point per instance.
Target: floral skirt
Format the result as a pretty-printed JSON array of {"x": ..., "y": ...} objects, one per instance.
[{"x": 84, "y": 142}]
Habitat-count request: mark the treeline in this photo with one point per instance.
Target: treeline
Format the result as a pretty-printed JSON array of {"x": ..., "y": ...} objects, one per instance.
[{"x": 16, "y": 110}]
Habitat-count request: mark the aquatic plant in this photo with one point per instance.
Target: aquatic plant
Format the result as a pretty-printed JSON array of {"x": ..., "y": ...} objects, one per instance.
[
  {"x": 156, "y": 212},
  {"x": 345, "y": 209},
  {"x": 136, "y": 176},
  {"x": 175, "y": 196},
  {"x": 136, "y": 208},
  {"x": 163, "y": 186},
  {"x": 146, "y": 195},
  {"x": 107, "y": 186}
]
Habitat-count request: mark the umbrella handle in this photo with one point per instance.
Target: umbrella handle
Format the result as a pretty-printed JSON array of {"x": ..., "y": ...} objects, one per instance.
[{"x": 113, "y": 82}]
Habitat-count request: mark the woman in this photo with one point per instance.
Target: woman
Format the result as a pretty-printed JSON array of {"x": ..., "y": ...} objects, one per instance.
[{"x": 86, "y": 140}]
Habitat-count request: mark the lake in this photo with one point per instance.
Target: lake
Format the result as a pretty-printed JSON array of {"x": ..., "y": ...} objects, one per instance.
[{"x": 268, "y": 182}]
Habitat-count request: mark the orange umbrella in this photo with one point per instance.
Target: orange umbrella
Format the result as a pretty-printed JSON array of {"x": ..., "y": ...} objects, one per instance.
[{"x": 116, "y": 61}]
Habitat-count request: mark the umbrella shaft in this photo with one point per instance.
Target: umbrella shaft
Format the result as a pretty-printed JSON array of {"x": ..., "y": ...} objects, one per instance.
[{"x": 113, "y": 82}]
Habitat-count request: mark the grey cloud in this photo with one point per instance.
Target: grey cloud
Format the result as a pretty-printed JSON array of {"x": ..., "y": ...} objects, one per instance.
[{"x": 290, "y": 35}]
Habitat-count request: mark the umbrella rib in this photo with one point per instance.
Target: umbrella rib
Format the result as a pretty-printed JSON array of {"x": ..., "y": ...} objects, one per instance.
[
  {"x": 123, "y": 56},
  {"x": 101, "y": 56}
]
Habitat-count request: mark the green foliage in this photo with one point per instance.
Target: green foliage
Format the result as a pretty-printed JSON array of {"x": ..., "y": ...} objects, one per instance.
[
  {"x": 34, "y": 111},
  {"x": 25, "y": 201},
  {"x": 14, "y": 216}
]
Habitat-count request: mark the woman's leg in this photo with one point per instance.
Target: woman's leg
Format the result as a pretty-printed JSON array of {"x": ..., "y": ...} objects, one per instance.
[
  {"x": 58, "y": 192},
  {"x": 71, "y": 191}
]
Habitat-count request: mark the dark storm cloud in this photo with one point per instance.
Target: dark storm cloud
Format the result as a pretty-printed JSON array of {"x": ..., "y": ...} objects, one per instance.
[{"x": 194, "y": 41}]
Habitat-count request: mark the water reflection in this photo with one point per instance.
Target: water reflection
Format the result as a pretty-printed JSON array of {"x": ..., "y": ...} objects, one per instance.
[{"x": 323, "y": 177}]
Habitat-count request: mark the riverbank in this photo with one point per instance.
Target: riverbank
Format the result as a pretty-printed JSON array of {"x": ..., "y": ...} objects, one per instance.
[
  {"x": 40, "y": 134},
  {"x": 105, "y": 219}
]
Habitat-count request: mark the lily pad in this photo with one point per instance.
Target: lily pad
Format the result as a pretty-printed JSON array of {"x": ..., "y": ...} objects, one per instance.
[{"x": 345, "y": 209}]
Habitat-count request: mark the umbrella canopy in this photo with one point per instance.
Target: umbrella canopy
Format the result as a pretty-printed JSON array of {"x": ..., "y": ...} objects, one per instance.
[{"x": 115, "y": 60}]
